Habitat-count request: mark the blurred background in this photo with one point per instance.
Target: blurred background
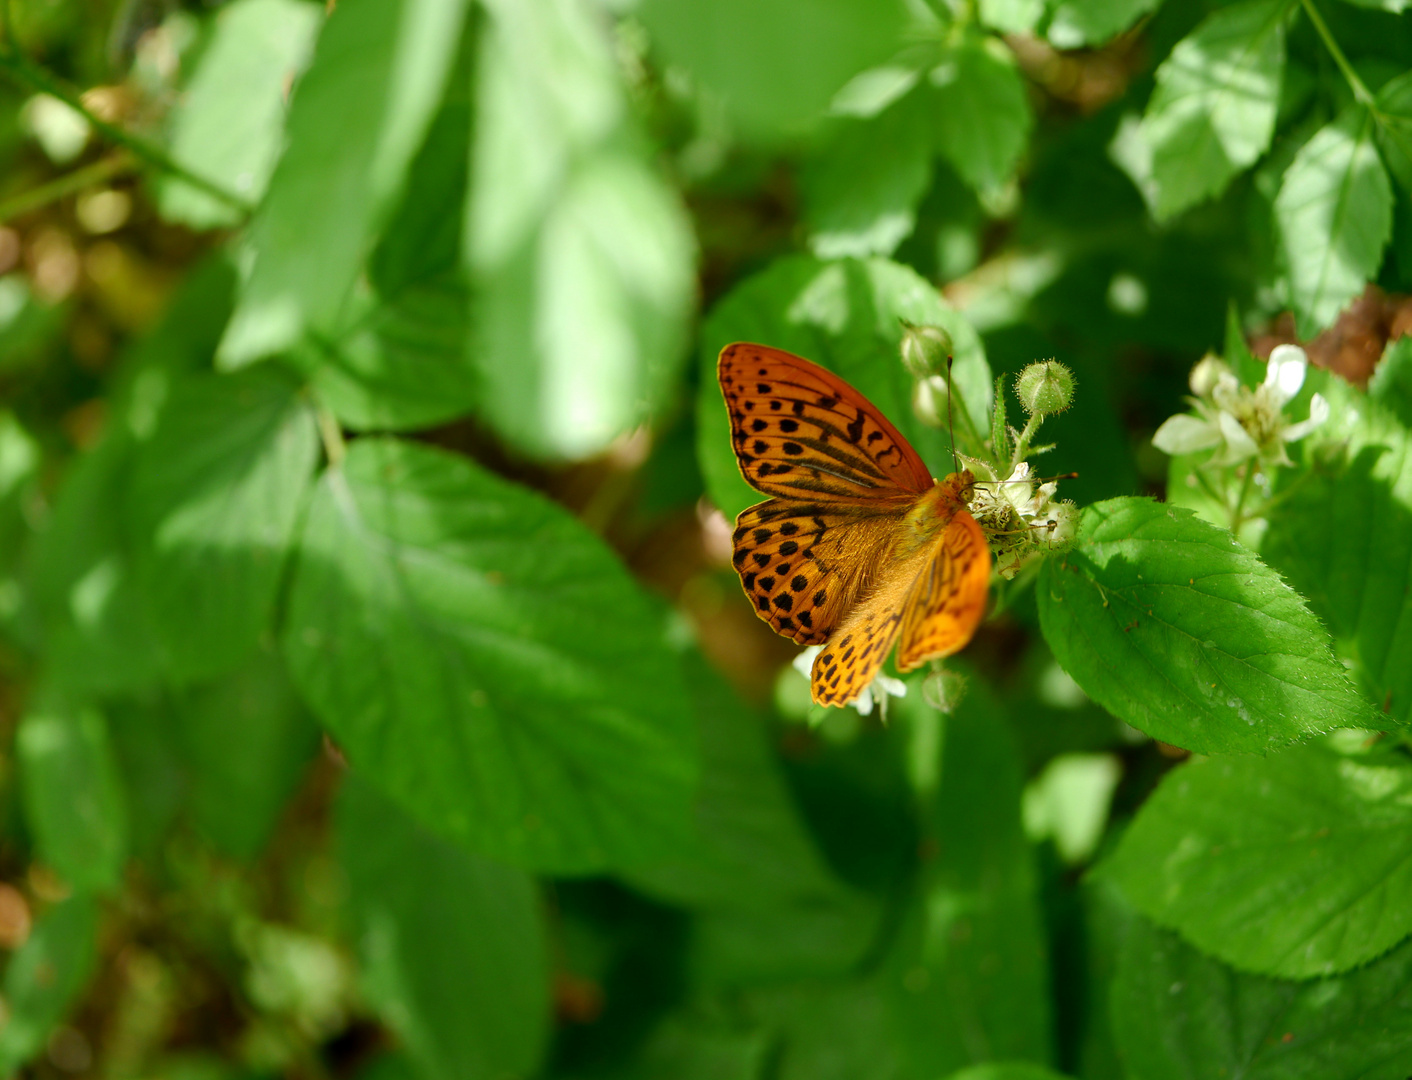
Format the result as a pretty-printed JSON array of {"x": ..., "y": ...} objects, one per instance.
[{"x": 259, "y": 811}]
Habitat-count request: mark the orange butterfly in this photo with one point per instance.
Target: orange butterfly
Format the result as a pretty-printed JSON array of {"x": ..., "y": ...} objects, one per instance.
[{"x": 859, "y": 545}]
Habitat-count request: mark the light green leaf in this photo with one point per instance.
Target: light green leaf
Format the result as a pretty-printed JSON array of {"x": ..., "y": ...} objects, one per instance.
[
  {"x": 861, "y": 187},
  {"x": 357, "y": 118},
  {"x": 1212, "y": 113},
  {"x": 980, "y": 114},
  {"x": 486, "y": 660},
  {"x": 228, "y": 122},
  {"x": 1173, "y": 627},
  {"x": 73, "y": 796},
  {"x": 1391, "y": 384},
  {"x": 1334, "y": 213},
  {"x": 1012, "y": 16},
  {"x": 846, "y": 316},
  {"x": 44, "y": 976},
  {"x": 775, "y": 65},
  {"x": 1296, "y": 865},
  {"x": 452, "y": 945},
  {"x": 1180, "y": 1015},
  {"x": 1343, "y": 538},
  {"x": 215, "y": 496},
  {"x": 1074, "y": 23},
  {"x": 1394, "y": 126}
]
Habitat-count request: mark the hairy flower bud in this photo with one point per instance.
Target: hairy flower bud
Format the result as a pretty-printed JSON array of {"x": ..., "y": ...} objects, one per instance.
[
  {"x": 1045, "y": 387},
  {"x": 925, "y": 350}
]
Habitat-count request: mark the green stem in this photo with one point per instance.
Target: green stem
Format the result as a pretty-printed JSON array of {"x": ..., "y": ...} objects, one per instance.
[
  {"x": 68, "y": 184},
  {"x": 1022, "y": 444},
  {"x": 1360, "y": 92},
  {"x": 1238, "y": 514},
  {"x": 332, "y": 435},
  {"x": 35, "y": 78}
]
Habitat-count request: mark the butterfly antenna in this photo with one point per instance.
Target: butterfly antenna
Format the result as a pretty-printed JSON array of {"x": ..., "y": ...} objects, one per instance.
[{"x": 1039, "y": 479}]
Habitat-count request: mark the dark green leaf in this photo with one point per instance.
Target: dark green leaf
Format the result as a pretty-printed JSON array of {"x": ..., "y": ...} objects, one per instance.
[
  {"x": 73, "y": 794},
  {"x": 846, "y": 316},
  {"x": 453, "y": 946},
  {"x": 1213, "y": 111},
  {"x": 1006, "y": 1070},
  {"x": 215, "y": 496},
  {"x": 1296, "y": 865},
  {"x": 385, "y": 64},
  {"x": 228, "y": 123},
  {"x": 147, "y": 744},
  {"x": 44, "y": 976},
  {"x": 1180, "y": 1015},
  {"x": 1343, "y": 538},
  {"x": 1334, "y": 212},
  {"x": 981, "y": 116},
  {"x": 1391, "y": 385},
  {"x": 1173, "y": 627},
  {"x": 485, "y": 659},
  {"x": 1092, "y": 22},
  {"x": 1394, "y": 128}
]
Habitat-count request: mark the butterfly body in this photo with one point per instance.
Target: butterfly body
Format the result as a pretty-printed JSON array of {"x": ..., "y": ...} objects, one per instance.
[{"x": 858, "y": 546}]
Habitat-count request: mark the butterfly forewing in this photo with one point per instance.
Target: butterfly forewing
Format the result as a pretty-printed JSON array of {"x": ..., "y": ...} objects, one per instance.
[
  {"x": 799, "y": 431},
  {"x": 946, "y": 601}
]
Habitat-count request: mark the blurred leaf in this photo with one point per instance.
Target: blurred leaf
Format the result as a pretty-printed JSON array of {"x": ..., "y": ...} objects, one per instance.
[
  {"x": 692, "y": 1047},
  {"x": 385, "y": 64},
  {"x": 44, "y": 976},
  {"x": 775, "y": 65},
  {"x": 1309, "y": 851},
  {"x": 1334, "y": 212},
  {"x": 1394, "y": 127},
  {"x": 1181, "y": 1015},
  {"x": 845, "y": 316},
  {"x": 228, "y": 123},
  {"x": 1006, "y": 1070},
  {"x": 1391, "y": 385},
  {"x": 1092, "y": 22},
  {"x": 28, "y": 325},
  {"x": 980, "y": 113},
  {"x": 453, "y": 947},
  {"x": 1012, "y": 16},
  {"x": 1213, "y": 111},
  {"x": 485, "y": 659},
  {"x": 1173, "y": 627},
  {"x": 215, "y": 496},
  {"x": 580, "y": 255},
  {"x": 1343, "y": 538},
  {"x": 861, "y": 187},
  {"x": 147, "y": 745},
  {"x": 73, "y": 795},
  {"x": 249, "y": 742}
]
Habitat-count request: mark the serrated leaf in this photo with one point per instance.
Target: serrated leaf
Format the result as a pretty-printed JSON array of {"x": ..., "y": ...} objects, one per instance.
[
  {"x": 1296, "y": 865},
  {"x": 1173, "y": 627},
  {"x": 484, "y": 659},
  {"x": 228, "y": 123},
  {"x": 845, "y": 315},
  {"x": 1212, "y": 113},
  {"x": 73, "y": 795},
  {"x": 980, "y": 113},
  {"x": 385, "y": 64},
  {"x": 1343, "y": 538},
  {"x": 1181, "y": 1015},
  {"x": 215, "y": 496},
  {"x": 1334, "y": 215},
  {"x": 452, "y": 945},
  {"x": 44, "y": 976},
  {"x": 1092, "y": 22}
]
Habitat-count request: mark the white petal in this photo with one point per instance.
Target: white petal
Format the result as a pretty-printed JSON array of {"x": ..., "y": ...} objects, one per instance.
[
  {"x": 1239, "y": 444},
  {"x": 804, "y": 662},
  {"x": 1318, "y": 413},
  {"x": 1183, "y": 434},
  {"x": 864, "y": 702},
  {"x": 888, "y": 685},
  {"x": 1285, "y": 372}
]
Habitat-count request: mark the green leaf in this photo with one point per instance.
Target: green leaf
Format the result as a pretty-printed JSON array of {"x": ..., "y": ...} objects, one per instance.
[
  {"x": 1173, "y": 627},
  {"x": 44, "y": 976},
  {"x": 861, "y": 187},
  {"x": 249, "y": 742},
  {"x": 147, "y": 745},
  {"x": 486, "y": 660},
  {"x": 1006, "y": 1070},
  {"x": 1011, "y": 16},
  {"x": 452, "y": 945},
  {"x": 1296, "y": 865},
  {"x": 1394, "y": 127},
  {"x": 1334, "y": 214},
  {"x": 1343, "y": 538},
  {"x": 775, "y": 65},
  {"x": 846, "y": 316},
  {"x": 215, "y": 496},
  {"x": 980, "y": 113},
  {"x": 1180, "y": 1015},
  {"x": 385, "y": 64},
  {"x": 73, "y": 795},
  {"x": 1391, "y": 385},
  {"x": 1212, "y": 113},
  {"x": 1092, "y": 22},
  {"x": 228, "y": 123}
]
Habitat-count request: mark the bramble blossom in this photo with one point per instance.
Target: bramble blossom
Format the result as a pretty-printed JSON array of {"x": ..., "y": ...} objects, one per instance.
[{"x": 1020, "y": 515}]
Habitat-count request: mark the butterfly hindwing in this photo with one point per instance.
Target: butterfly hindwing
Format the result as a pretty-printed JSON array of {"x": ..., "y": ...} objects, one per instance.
[
  {"x": 946, "y": 602},
  {"x": 799, "y": 431}
]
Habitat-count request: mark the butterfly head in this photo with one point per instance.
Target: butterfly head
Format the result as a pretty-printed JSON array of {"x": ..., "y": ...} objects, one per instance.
[{"x": 954, "y": 493}]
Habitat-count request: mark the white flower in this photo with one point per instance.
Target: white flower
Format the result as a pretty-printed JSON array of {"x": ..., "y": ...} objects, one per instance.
[
  {"x": 1020, "y": 515},
  {"x": 1243, "y": 423},
  {"x": 875, "y": 693}
]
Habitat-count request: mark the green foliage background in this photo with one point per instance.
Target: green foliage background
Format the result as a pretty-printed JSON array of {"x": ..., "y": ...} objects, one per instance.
[{"x": 376, "y": 698}]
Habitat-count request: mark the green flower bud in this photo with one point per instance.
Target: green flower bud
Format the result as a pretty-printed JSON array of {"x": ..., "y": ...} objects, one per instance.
[
  {"x": 925, "y": 350},
  {"x": 1045, "y": 387}
]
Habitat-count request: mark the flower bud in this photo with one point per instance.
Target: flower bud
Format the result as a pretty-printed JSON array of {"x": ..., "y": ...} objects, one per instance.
[
  {"x": 925, "y": 350},
  {"x": 1045, "y": 387},
  {"x": 1206, "y": 374}
]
